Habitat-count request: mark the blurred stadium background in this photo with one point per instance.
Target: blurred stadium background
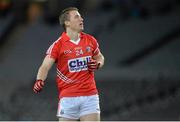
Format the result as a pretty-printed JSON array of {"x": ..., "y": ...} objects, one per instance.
[{"x": 139, "y": 38}]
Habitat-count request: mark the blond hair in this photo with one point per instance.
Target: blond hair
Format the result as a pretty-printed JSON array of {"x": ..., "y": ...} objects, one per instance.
[{"x": 65, "y": 15}]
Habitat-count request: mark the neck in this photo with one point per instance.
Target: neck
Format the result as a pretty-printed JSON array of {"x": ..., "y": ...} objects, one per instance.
[{"x": 72, "y": 34}]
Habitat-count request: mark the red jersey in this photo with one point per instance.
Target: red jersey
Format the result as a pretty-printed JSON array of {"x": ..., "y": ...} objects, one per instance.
[{"x": 73, "y": 77}]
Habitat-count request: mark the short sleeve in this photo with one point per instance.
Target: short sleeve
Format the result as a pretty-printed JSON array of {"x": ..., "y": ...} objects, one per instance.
[
  {"x": 53, "y": 51},
  {"x": 96, "y": 49}
]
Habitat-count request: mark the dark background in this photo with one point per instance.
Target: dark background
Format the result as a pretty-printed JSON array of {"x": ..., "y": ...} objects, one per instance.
[{"x": 140, "y": 41}]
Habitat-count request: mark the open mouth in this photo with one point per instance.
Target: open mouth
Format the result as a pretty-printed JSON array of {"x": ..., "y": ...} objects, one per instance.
[{"x": 81, "y": 24}]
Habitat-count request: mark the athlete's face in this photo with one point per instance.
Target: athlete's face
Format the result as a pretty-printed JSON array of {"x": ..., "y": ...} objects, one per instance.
[{"x": 75, "y": 21}]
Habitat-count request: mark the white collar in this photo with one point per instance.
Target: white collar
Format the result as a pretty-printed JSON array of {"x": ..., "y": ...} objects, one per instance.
[{"x": 76, "y": 42}]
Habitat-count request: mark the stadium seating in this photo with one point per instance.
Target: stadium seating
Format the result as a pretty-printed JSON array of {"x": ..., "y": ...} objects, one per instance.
[{"x": 148, "y": 89}]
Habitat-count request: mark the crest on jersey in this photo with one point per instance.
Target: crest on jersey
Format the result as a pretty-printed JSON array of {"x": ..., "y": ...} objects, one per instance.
[
  {"x": 62, "y": 112},
  {"x": 88, "y": 49}
]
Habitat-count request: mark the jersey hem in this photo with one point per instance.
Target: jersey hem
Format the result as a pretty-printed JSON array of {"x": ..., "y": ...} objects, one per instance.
[{"x": 61, "y": 96}]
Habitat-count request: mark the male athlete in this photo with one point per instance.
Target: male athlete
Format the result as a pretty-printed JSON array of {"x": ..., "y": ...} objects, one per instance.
[{"x": 77, "y": 56}]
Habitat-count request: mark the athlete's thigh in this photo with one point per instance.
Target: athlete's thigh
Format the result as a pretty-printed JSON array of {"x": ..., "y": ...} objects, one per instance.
[
  {"x": 90, "y": 117},
  {"x": 62, "y": 119},
  {"x": 68, "y": 109},
  {"x": 90, "y": 109}
]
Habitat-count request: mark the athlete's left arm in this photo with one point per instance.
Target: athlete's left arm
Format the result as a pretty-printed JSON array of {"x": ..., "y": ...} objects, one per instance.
[{"x": 100, "y": 59}]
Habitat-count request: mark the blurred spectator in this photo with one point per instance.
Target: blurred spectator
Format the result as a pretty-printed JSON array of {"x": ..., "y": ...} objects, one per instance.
[
  {"x": 34, "y": 11},
  {"x": 128, "y": 8},
  {"x": 20, "y": 9},
  {"x": 54, "y": 7},
  {"x": 122, "y": 6},
  {"x": 108, "y": 5},
  {"x": 137, "y": 10},
  {"x": 5, "y": 7},
  {"x": 91, "y": 5}
]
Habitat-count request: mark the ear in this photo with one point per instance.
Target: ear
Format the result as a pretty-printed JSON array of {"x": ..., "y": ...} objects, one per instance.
[{"x": 67, "y": 23}]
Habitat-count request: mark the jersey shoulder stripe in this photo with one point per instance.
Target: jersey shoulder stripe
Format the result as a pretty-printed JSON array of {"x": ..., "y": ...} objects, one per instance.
[{"x": 52, "y": 45}]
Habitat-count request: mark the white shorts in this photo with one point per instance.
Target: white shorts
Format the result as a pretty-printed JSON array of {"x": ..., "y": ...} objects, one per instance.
[{"x": 75, "y": 107}]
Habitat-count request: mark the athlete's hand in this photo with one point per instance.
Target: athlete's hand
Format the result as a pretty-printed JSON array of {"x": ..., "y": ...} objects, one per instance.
[
  {"x": 93, "y": 65},
  {"x": 39, "y": 84}
]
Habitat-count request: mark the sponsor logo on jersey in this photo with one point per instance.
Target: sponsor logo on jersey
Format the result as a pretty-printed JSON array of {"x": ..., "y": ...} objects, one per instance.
[
  {"x": 67, "y": 51},
  {"x": 78, "y": 64}
]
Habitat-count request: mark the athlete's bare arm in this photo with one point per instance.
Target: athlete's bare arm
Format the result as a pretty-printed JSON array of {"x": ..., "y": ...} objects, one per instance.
[
  {"x": 45, "y": 67},
  {"x": 99, "y": 58}
]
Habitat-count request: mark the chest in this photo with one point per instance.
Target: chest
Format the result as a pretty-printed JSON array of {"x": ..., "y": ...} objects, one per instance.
[{"x": 70, "y": 50}]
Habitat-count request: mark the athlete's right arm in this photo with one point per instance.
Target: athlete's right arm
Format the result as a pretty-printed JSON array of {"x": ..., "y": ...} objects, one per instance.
[
  {"x": 42, "y": 73},
  {"x": 45, "y": 67}
]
